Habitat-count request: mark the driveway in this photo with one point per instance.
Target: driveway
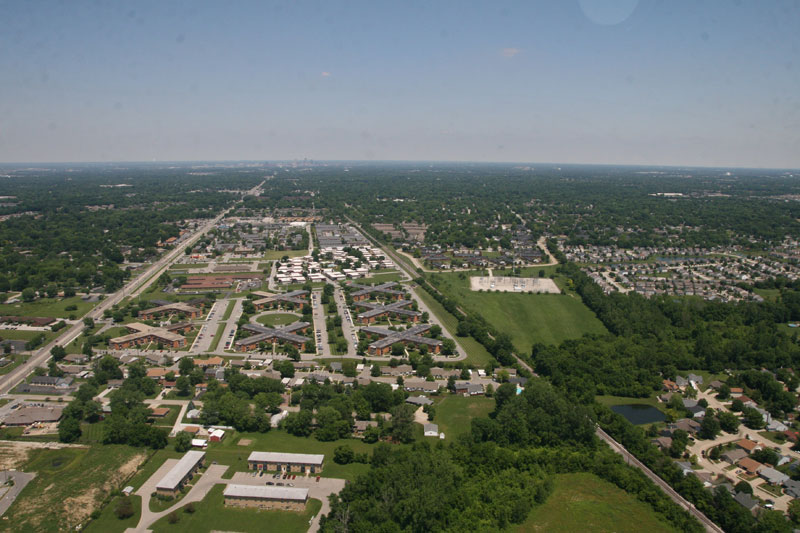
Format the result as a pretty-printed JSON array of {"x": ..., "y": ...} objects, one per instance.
[{"x": 202, "y": 486}]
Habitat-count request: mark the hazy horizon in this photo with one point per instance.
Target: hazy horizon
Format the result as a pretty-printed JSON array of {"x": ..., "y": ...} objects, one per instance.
[{"x": 615, "y": 82}]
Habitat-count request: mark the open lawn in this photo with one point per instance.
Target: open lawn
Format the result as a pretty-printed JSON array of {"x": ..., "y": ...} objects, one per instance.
[
  {"x": 278, "y": 319},
  {"x": 476, "y": 353},
  {"x": 70, "y": 484},
  {"x": 454, "y": 413},
  {"x": 228, "y": 452},
  {"x": 380, "y": 277},
  {"x": 273, "y": 255},
  {"x": 624, "y": 400},
  {"x": 54, "y": 307},
  {"x": 187, "y": 266},
  {"x": 528, "y": 318},
  {"x": 584, "y": 502},
  {"x": 108, "y": 522},
  {"x": 211, "y": 514}
]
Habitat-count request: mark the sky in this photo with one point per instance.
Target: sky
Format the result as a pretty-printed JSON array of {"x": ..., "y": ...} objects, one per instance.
[{"x": 673, "y": 82}]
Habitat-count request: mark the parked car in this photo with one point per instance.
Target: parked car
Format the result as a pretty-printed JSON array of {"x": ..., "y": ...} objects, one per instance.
[
  {"x": 279, "y": 484},
  {"x": 318, "y": 479},
  {"x": 270, "y": 483}
]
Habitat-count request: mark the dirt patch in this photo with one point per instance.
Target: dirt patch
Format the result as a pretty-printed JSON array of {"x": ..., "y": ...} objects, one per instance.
[
  {"x": 78, "y": 508},
  {"x": 245, "y": 442},
  {"x": 12, "y": 456}
]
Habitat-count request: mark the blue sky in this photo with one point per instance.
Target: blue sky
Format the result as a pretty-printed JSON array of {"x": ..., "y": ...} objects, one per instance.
[{"x": 713, "y": 83}]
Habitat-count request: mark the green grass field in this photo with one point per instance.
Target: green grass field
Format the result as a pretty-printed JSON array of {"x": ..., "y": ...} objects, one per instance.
[
  {"x": 454, "y": 413},
  {"x": 584, "y": 502},
  {"x": 623, "y": 400},
  {"x": 476, "y": 353},
  {"x": 274, "y": 255},
  {"x": 69, "y": 485},
  {"x": 211, "y": 514},
  {"x": 108, "y": 522},
  {"x": 528, "y": 318},
  {"x": 278, "y": 319},
  {"x": 380, "y": 277},
  {"x": 54, "y": 307}
]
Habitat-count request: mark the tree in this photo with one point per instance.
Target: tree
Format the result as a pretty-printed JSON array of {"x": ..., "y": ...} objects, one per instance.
[
  {"x": 794, "y": 511},
  {"x": 183, "y": 442},
  {"x": 331, "y": 425},
  {"x": 186, "y": 365},
  {"x": 375, "y": 371},
  {"x": 184, "y": 386},
  {"x": 728, "y": 421},
  {"x": 752, "y": 418},
  {"x": 448, "y": 347},
  {"x": 28, "y": 294},
  {"x": 743, "y": 486},
  {"x": 710, "y": 426},
  {"x": 343, "y": 455},
  {"x": 69, "y": 430},
  {"x": 124, "y": 508},
  {"x": 372, "y": 434},
  {"x": 299, "y": 423},
  {"x": 403, "y": 423},
  {"x": 58, "y": 352}
]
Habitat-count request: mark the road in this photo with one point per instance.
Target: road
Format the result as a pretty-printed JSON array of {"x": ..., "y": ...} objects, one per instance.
[{"x": 663, "y": 485}]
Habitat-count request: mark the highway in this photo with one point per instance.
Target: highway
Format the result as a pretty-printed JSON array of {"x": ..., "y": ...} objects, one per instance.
[{"x": 663, "y": 485}]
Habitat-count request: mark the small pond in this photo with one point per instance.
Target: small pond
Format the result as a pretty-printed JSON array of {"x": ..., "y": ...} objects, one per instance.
[{"x": 637, "y": 413}]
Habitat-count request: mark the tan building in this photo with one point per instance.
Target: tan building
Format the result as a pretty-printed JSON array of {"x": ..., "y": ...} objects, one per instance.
[
  {"x": 256, "y": 496},
  {"x": 286, "y": 462},
  {"x": 172, "y": 483},
  {"x": 176, "y": 308},
  {"x": 143, "y": 334}
]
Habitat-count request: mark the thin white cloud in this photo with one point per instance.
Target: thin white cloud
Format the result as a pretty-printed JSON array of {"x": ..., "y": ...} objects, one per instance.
[
  {"x": 510, "y": 52},
  {"x": 325, "y": 74}
]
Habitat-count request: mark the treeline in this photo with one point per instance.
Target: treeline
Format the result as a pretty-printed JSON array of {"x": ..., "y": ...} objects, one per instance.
[{"x": 656, "y": 338}]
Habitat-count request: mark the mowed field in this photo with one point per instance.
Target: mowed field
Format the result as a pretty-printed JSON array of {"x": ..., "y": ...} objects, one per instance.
[
  {"x": 528, "y": 318},
  {"x": 454, "y": 414},
  {"x": 584, "y": 502}
]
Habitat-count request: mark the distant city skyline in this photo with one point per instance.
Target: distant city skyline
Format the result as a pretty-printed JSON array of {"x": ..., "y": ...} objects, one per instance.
[{"x": 617, "y": 82}]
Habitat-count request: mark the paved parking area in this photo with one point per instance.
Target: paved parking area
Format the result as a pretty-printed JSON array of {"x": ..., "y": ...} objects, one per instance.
[{"x": 319, "y": 490}]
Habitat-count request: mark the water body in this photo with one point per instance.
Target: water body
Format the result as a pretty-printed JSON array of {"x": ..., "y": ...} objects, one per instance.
[{"x": 637, "y": 413}]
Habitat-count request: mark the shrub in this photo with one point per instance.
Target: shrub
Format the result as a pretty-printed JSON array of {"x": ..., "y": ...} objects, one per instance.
[
  {"x": 124, "y": 508},
  {"x": 173, "y": 517}
]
